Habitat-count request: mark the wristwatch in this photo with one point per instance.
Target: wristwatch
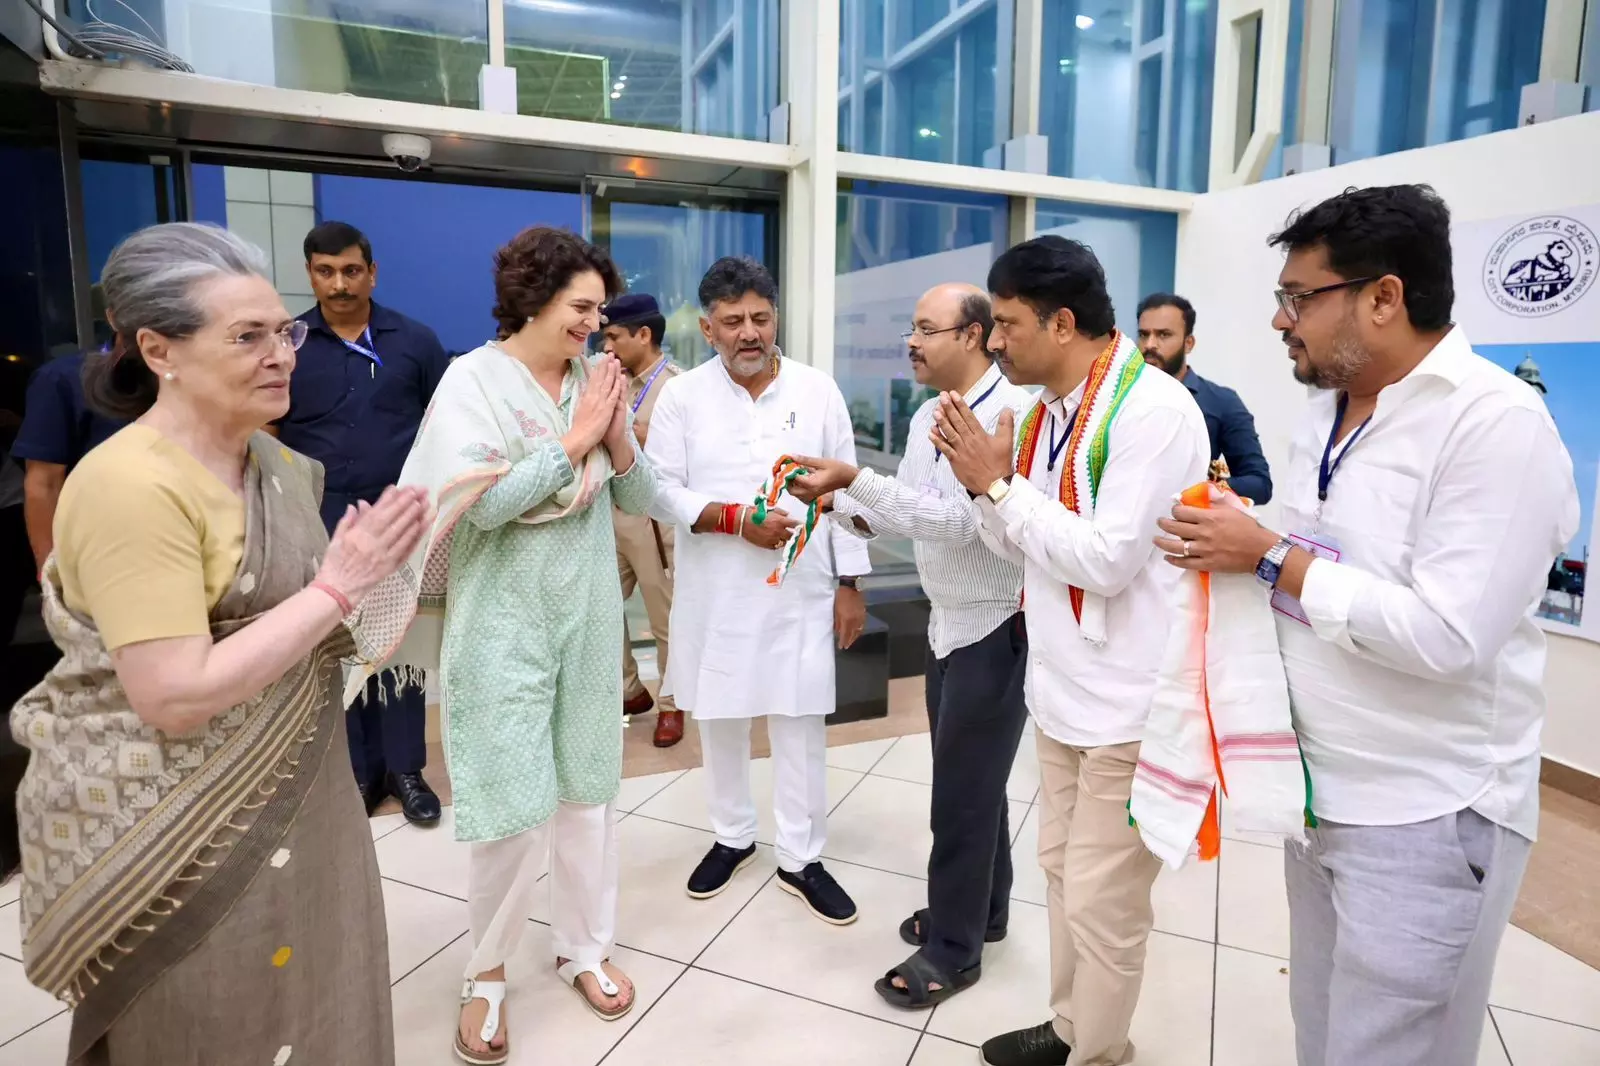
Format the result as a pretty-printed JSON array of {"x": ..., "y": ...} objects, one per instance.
[
  {"x": 998, "y": 490},
  {"x": 849, "y": 582},
  {"x": 1270, "y": 567}
]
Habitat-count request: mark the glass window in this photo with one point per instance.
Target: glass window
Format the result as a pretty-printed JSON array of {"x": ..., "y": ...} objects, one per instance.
[
  {"x": 935, "y": 98},
  {"x": 1125, "y": 106},
  {"x": 895, "y": 243},
  {"x": 1138, "y": 249}
]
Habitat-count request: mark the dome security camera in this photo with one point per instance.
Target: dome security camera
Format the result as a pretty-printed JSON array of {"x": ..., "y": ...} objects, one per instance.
[{"x": 408, "y": 152}]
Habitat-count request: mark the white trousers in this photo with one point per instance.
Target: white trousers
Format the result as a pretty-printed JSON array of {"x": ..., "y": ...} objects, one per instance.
[
  {"x": 799, "y": 784},
  {"x": 580, "y": 840}
]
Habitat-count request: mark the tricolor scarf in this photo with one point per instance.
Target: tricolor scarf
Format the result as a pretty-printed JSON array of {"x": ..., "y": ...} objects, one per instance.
[
  {"x": 1110, "y": 379},
  {"x": 1219, "y": 723},
  {"x": 784, "y": 471},
  {"x": 487, "y": 414}
]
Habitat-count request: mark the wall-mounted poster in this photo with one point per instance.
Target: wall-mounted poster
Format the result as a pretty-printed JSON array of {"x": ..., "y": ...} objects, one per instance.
[{"x": 1526, "y": 294}]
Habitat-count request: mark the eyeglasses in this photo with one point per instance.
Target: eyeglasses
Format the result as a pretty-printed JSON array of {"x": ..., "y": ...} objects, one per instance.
[
  {"x": 918, "y": 331},
  {"x": 258, "y": 341},
  {"x": 1289, "y": 302}
]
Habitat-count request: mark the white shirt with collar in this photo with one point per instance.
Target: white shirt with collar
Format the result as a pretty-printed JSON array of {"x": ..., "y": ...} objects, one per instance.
[
  {"x": 1080, "y": 694},
  {"x": 1417, "y": 688},
  {"x": 740, "y": 647},
  {"x": 970, "y": 590}
]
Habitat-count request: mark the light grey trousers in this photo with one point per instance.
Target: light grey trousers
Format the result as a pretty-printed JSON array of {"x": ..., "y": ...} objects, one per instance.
[{"x": 1393, "y": 933}]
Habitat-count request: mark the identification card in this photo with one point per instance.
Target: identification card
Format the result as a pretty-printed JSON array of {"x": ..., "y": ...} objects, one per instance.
[{"x": 1286, "y": 604}]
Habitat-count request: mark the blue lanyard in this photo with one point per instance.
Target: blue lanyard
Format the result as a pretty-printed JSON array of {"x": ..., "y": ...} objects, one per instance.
[
  {"x": 651, "y": 380},
  {"x": 1055, "y": 449},
  {"x": 938, "y": 456},
  {"x": 1326, "y": 471},
  {"x": 366, "y": 349}
]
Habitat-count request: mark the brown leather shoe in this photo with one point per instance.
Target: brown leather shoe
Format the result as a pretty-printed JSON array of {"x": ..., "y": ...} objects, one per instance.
[
  {"x": 639, "y": 704},
  {"x": 669, "y": 728}
]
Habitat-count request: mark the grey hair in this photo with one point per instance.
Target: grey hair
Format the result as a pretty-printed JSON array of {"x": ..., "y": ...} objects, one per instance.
[{"x": 149, "y": 283}]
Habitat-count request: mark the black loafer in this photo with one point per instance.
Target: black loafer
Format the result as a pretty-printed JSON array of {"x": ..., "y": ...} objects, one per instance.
[
  {"x": 1039, "y": 1046},
  {"x": 372, "y": 796},
  {"x": 717, "y": 869},
  {"x": 416, "y": 798},
  {"x": 821, "y": 894}
]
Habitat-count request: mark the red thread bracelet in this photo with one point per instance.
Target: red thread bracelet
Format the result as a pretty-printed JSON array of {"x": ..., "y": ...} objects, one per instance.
[{"x": 346, "y": 608}]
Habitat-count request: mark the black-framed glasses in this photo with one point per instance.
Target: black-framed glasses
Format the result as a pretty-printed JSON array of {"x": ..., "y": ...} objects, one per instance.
[
  {"x": 1289, "y": 302},
  {"x": 918, "y": 331}
]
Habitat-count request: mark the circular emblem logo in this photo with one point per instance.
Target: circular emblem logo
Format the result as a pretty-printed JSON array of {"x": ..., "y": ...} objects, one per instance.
[{"x": 1541, "y": 266}]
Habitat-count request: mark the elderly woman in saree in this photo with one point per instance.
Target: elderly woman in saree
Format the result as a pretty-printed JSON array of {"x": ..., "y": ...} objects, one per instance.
[
  {"x": 198, "y": 875},
  {"x": 526, "y": 446}
]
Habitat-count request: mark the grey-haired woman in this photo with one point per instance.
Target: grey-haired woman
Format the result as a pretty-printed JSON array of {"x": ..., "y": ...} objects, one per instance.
[{"x": 198, "y": 876}]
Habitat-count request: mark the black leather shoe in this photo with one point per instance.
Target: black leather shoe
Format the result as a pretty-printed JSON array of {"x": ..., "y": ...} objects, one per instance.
[
  {"x": 373, "y": 796},
  {"x": 717, "y": 869},
  {"x": 416, "y": 798},
  {"x": 821, "y": 894},
  {"x": 1039, "y": 1046}
]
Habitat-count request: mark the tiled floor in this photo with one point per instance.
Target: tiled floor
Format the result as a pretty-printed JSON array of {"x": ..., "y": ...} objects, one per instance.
[{"x": 749, "y": 977}]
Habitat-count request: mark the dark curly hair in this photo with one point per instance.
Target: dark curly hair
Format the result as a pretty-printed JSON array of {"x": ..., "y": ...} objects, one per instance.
[
  {"x": 731, "y": 277},
  {"x": 537, "y": 264},
  {"x": 1402, "y": 230}
]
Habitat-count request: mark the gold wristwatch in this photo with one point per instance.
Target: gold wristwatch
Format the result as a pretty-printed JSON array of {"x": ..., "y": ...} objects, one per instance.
[{"x": 998, "y": 490}]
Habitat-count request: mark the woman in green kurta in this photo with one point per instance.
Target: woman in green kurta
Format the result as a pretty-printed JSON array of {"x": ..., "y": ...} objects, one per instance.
[{"x": 525, "y": 448}]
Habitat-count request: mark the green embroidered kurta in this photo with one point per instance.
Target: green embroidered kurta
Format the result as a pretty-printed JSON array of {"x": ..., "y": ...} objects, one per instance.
[{"x": 530, "y": 680}]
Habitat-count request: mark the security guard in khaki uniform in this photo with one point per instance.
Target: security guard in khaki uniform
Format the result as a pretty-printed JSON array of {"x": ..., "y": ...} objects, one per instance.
[{"x": 633, "y": 326}]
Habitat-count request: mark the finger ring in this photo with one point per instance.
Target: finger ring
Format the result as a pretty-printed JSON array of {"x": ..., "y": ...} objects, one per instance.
[{"x": 1186, "y": 548}]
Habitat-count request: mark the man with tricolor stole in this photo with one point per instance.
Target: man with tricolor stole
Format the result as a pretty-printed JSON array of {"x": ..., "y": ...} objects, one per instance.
[
  {"x": 1071, "y": 494},
  {"x": 765, "y": 587}
]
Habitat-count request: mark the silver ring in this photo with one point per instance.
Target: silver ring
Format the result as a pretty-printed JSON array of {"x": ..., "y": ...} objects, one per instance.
[{"x": 1186, "y": 549}]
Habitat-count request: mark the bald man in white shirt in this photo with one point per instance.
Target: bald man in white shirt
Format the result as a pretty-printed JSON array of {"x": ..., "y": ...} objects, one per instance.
[{"x": 1426, "y": 494}]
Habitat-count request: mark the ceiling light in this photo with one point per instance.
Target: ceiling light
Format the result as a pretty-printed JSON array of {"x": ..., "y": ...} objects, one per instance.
[
  {"x": 617, "y": 87},
  {"x": 1084, "y": 22},
  {"x": 616, "y": 96},
  {"x": 926, "y": 132},
  {"x": 622, "y": 77}
]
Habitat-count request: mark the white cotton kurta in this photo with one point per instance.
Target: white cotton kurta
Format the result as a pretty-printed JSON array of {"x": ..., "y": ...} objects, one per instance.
[{"x": 741, "y": 648}]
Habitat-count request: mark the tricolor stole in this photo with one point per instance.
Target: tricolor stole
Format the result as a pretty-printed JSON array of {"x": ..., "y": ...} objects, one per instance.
[
  {"x": 1110, "y": 379},
  {"x": 784, "y": 471}
]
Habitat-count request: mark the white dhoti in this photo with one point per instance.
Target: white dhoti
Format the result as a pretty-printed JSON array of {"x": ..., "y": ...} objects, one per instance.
[
  {"x": 580, "y": 840},
  {"x": 799, "y": 785}
]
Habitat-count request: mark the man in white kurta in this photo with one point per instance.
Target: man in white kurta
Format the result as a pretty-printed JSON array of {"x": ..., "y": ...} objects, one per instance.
[{"x": 741, "y": 647}]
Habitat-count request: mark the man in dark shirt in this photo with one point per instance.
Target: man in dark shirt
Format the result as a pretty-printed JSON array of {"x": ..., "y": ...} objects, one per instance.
[
  {"x": 1166, "y": 337},
  {"x": 362, "y": 381},
  {"x": 58, "y": 429}
]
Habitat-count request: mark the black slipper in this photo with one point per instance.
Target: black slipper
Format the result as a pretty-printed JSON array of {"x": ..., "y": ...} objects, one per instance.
[
  {"x": 914, "y": 931},
  {"x": 918, "y": 973}
]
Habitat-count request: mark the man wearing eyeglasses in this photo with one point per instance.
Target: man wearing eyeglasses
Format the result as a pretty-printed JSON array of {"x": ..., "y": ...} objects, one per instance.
[
  {"x": 1424, "y": 498},
  {"x": 363, "y": 380},
  {"x": 977, "y": 647}
]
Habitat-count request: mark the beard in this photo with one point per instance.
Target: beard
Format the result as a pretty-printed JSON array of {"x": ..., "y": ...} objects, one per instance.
[
  {"x": 1347, "y": 358},
  {"x": 746, "y": 364}
]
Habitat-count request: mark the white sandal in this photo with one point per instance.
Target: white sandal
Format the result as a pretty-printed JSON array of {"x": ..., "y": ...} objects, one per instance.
[
  {"x": 571, "y": 972},
  {"x": 494, "y": 994}
]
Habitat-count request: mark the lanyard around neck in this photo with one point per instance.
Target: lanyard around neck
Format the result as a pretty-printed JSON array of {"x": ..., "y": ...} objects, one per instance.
[
  {"x": 364, "y": 347},
  {"x": 661, "y": 365},
  {"x": 1326, "y": 471}
]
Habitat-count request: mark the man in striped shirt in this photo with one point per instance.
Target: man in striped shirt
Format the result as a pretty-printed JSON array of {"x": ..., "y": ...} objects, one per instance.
[{"x": 977, "y": 648}]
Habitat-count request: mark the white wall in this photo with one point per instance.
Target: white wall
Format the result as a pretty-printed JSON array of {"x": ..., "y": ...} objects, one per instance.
[{"x": 1227, "y": 270}]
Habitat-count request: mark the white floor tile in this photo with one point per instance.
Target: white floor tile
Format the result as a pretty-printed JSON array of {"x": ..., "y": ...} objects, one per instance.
[
  {"x": 911, "y": 759},
  {"x": 1253, "y": 1024},
  {"x": 709, "y": 1018},
  {"x": 420, "y": 924},
  {"x": 1172, "y": 1024},
  {"x": 776, "y": 942},
  {"x": 654, "y": 912},
  {"x": 860, "y": 757},
  {"x": 1252, "y": 906},
  {"x": 22, "y": 1006},
  {"x": 884, "y": 823},
  {"x": 11, "y": 930},
  {"x": 546, "y": 1021},
  {"x": 1491, "y": 1052},
  {"x": 10, "y": 890},
  {"x": 1535, "y": 978},
  {"x": 937, "y": 1051},
  {"x": 46, "y": 1044},
  {"x": 684, "y": 801},
  {"x": 1015, "y": 989},
  {"x": 1185, "y": 901},
  {"x": 426, "y": 857},
  {"x": 384, "y": 824},
  {"x": 638, "y": 790},
  {"x": 1535, "y": 1041}
]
